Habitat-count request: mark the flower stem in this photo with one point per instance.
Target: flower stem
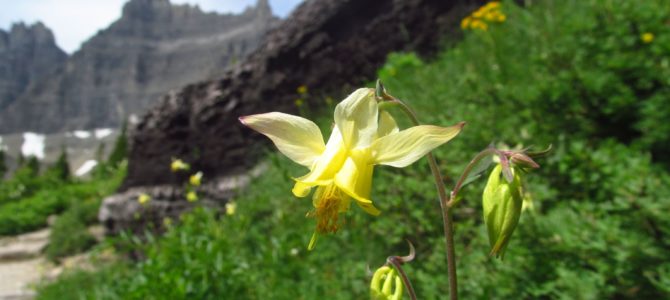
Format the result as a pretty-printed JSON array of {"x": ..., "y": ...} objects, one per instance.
[
  {"x": 444, "y": 205},
  {"x": 396, "y": 262},
  {"x": 481, "y": 155}
]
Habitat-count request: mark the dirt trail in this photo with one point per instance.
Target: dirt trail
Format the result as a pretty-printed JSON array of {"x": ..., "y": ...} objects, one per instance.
[{"x": 22, "y": 264}]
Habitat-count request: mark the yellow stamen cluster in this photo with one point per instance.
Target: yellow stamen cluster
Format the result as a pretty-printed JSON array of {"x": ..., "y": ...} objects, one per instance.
[
  {"x": 481, "y": 18},
  {"x": 328, "y": 204}
]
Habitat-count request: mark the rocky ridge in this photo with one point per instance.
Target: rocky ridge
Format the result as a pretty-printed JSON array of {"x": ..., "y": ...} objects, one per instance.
[
  {"x": 154, "y": 47},
  {"x": 28, "y": 53}
]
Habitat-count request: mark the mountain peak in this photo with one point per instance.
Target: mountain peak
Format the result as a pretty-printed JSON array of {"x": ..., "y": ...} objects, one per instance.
[
  {"x": 145, "y": 9},
  {"x": 22, "y": 33}
]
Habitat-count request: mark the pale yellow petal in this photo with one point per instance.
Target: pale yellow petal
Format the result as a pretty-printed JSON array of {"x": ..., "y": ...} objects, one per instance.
[
  {"x": 297, "y": 138},
  {"x": 407, "y": 146},
  {"x": 387, "y": 124},
  {"x": 356, "y": 118},
  {"x": 301, "y": 189},
  {"x": 326, "y": 166},
  {"x": 355, "y": 179}
]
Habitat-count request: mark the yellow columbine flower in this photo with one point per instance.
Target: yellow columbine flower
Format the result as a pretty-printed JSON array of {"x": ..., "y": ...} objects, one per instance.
[
  {"x": 191, "y": 196},
  {"x": 341, "y": 169},
  {"x": 647, "y": 37},
  {"x": 195, "y": 179},
  {"x": 179, "y": 165},
  {"x": 143, "y": 198}
]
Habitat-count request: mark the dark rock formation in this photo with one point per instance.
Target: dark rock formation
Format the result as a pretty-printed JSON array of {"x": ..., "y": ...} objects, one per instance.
[
  {"x": 27, "y": 54},
  {"x": 152, "y": 48},
  {"x": 330, "y": 46}
]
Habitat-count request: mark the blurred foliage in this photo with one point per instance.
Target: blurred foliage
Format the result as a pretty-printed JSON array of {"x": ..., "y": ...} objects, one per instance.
[
  {"x": 61, "y": 168},
  {"x": 575, "y": 74},
  {"x": 26, "y": 201},
  {"x": 120, "y": 150},
  {"x": 69, "y": 235}
]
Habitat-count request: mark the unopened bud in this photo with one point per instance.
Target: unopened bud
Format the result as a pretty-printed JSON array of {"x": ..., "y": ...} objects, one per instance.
[
  {"x": 502, "y": 203},
  {"x": 523, "y": 160},
  {"x": 386, "y": 285}
]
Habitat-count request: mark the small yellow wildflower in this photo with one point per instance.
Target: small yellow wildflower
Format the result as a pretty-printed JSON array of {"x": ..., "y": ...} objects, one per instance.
[
  {"x": 478, "y": 24},
  {"x": 341, "y": 169},
  {"x": 191, "y": 196},
  {"x": 299, "y": 102},
  {"x": 492, "y": 5},
  {"x": 179, "y": 165},
  {"x": 143, "y": 198},
  {"x": 302, "y": 90},
  {"x": 167, "y": 221},
  {"x": 195, "y": 179},
  {"x": 465, "y": 23},
  {"x": 501, "y": 18},
  {"x": 480, "y": 19},
  {"x": 647, "y": 37},
  {"x": 231, "y": 207}
]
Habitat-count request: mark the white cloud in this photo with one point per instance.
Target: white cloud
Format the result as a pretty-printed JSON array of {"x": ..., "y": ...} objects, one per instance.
[{"x": 74, "y": 21}]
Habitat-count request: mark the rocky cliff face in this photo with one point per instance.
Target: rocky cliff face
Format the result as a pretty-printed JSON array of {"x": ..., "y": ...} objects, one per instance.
[
  {"x": 27, "y": 54},
  {"x": 154, "y": 47}
]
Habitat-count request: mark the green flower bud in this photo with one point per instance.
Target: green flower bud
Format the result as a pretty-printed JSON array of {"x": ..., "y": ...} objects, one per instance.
[
  {"x": 386, "y": 285},
  {"x": 502, "y": 201}
]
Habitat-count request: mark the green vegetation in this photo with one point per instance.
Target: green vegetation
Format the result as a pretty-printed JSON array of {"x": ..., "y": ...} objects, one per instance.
[
  {"x": 28, "y": 198},
  {"x": 120, "y": 150},
  {"x": 578, "y": 74},
  {"x": 28, "y": 201},
  {"x": 69, "y": 235}
]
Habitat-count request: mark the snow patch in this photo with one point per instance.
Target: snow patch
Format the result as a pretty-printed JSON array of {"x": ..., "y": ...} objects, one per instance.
[
  {"x": 33, "y": 145},
  {"x": 3, "y": 147},
  {"x": 103, "y": 132},
  {"x": 86, "y": 167},
  {"x": 82, "y": 134}
]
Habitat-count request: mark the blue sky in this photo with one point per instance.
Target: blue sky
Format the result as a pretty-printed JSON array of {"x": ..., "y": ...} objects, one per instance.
[{"x": 74, "y": 21}]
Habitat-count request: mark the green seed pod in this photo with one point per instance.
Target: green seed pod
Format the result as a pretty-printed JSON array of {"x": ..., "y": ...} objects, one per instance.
[{"x": 502, "y": 203}]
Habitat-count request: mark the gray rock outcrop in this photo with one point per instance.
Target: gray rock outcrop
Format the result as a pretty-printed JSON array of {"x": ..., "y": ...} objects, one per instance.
[{"x": 154, "y": 47}]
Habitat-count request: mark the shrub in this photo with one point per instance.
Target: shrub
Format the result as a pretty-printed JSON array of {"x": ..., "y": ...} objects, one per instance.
[{"x": 69, "y": 236}]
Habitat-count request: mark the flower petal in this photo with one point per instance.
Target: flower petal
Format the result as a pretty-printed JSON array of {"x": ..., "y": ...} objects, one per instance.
[
  {"x": 405, "y": 147},
  {"x": 356, "y": 118},
  {"x": 297, "y": 138},
  {"x": 301, "y": 189},
  {"x": 387, "y": 124},
  {"x": 326, "y": 166},
  {"x": 355, "y": 179}
]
